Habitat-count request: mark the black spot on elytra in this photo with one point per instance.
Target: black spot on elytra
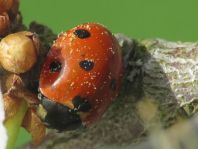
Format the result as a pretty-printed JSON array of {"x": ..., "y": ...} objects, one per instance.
[
  {"x": 86, "y": 65},
  {"x": 55, "y": 66},
  {"x": 82, "y": 33},
  {"x": 113, "y": 84},
  {"x": 81, "y": 104}
]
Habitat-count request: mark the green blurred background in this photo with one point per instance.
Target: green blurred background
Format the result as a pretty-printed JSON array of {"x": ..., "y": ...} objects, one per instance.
[{"x": 168, "y": 19}]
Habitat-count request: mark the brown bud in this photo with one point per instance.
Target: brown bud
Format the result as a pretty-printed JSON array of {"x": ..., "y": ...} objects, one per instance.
[
  {"x": 4, "y": 23},
  {"x": 10, "y": 82},
  {"x": 11, "y": 105},
  {"x": 5, "y": 5},
  {"x": 34, "y": 126},
  {"x": 15, "y": 7},
  {"x": 19, "y": 51}
]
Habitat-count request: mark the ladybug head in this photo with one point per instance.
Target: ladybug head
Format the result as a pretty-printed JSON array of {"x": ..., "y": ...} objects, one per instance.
[{"x": 61, "y": 117}]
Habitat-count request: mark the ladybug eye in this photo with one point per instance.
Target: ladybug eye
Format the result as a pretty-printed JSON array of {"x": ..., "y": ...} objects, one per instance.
[
  {"x": 55, "y": 66},
  {"x": 81, "y": 33},
  {"x": 86, "y": 65}
]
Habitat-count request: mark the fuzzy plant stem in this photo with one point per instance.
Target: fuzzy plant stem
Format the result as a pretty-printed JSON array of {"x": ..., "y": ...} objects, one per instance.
[{"x": 13, "y": 125}]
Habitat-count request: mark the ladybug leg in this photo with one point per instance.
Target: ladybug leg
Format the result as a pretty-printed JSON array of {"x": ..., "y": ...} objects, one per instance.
[{"x": 81, "y": 104}]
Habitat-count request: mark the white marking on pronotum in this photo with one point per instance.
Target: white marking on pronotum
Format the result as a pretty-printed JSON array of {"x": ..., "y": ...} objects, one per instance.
[{"x": 3, "y": 140}]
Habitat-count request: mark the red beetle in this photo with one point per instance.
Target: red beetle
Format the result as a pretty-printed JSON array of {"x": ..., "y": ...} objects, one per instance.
[{"x": 80, "y": 77}]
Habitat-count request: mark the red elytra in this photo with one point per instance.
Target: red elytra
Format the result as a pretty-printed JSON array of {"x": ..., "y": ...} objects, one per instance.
[{"x": 87, "y": 62}]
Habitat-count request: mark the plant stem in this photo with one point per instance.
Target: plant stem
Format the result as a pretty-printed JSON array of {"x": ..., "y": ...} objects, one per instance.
[{"x": 13, "y": 125}]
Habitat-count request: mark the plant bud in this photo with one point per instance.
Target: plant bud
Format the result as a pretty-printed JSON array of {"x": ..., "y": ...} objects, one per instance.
[
  {"x": 15, "y": 8},
  {"x": 19, "y": 51},
  {"x": 4, "y": 23},
  {"x": 5, "y": 5}
]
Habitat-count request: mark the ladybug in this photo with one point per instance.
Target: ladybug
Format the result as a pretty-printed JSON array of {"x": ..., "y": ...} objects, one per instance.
[{"x": 80, "y": 77}]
